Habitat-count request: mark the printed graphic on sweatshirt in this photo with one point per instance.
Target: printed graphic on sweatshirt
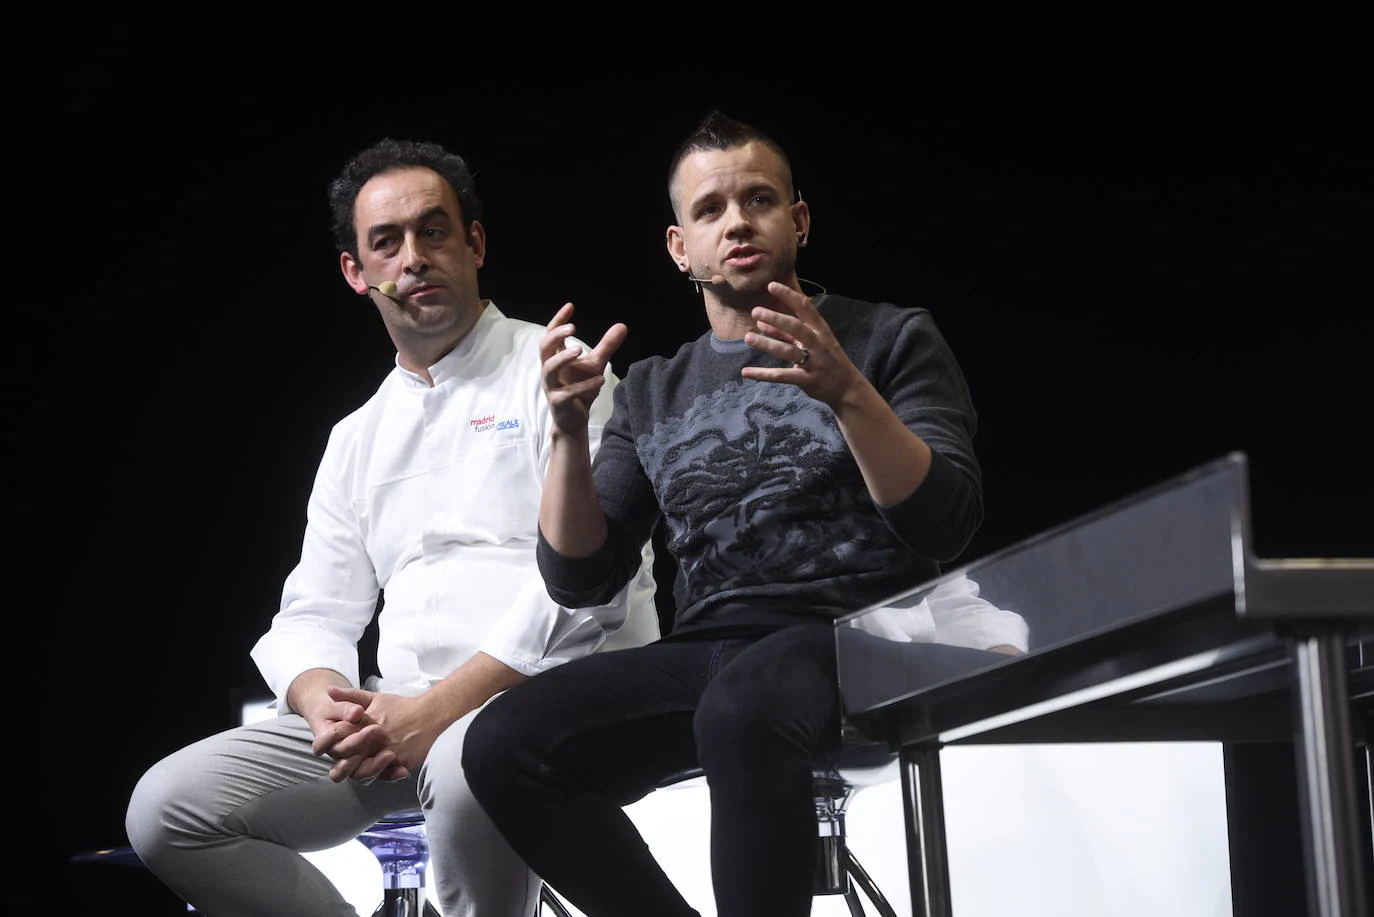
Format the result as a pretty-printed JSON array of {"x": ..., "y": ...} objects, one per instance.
[{"x": 764, "y": 470}]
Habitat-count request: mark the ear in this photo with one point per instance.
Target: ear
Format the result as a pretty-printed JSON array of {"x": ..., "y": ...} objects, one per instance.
[
  {"x": 353, "y": 273},
  {"x": 801, "y": 221},
  {"x": 677, "y": 249},
  {"x": 477, "y": 241}
]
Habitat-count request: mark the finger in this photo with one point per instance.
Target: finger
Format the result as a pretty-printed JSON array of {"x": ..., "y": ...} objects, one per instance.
[
  {"x": 783, "y": 350},
  {"x": 562, "y": 316},
  {"x": 555, "y": 364},
  {"x": 330, "y": 737},
  {"x": 778, "y": 334},
  {"x": 350, "y": 695},
  {"x": 366, "y": 741},
  {"x": 766, "y": 318},
  {"x": 610, "y": 342},
  {"x": 343, "y": 768},
  {"x": 555, "y": 341},
  {"x": 395, "y": 772},
  {"x": 373, "y": 767},
  {"x": 795, "y": 300},
  {"x": 780, "y": 375}
]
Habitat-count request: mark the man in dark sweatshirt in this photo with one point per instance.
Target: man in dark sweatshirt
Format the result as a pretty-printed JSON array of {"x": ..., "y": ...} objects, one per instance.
[{"x": 810, "y": 455}]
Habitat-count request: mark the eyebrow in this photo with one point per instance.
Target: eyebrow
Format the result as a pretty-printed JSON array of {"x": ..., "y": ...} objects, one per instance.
[
  {"x": 436, "y": 211},
  {"x": 747, "y": 191}
]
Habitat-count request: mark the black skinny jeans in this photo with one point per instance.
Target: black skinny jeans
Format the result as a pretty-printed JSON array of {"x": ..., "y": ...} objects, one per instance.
[{"x": 554, "y": 760}]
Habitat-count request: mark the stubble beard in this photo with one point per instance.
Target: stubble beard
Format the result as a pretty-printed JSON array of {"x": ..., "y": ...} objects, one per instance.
[{"x": 751, "y": 289}]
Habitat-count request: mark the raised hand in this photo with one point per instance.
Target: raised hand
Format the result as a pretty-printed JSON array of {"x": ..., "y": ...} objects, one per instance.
[
  {"x": 820, "y": 367},
  {"x": 892, "y": 458},
  {"x": 572, "y": 375}
]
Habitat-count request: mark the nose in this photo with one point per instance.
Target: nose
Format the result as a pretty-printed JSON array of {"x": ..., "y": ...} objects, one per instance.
[
  {"x": 415, "y": 260},
  {"x": 737, "y": 223}
]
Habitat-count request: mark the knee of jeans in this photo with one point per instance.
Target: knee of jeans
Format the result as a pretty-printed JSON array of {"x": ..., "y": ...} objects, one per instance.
[
  {"x": 738, "y": 737},
  {"x": 490, "y": 747},
  {"x": 726, "y": 716}
]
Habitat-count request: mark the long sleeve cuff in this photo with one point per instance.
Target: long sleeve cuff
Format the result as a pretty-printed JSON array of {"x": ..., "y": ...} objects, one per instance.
[
  {"x": 939, "y": 518},
  {"x": 577, "y": 582}
]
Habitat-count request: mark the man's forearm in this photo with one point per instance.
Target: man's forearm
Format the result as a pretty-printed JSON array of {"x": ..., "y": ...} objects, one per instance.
[
  {"x": 569, "y": 513},
  {"x": 894, "y": 461},
  {"x": 470, "y": 686}
]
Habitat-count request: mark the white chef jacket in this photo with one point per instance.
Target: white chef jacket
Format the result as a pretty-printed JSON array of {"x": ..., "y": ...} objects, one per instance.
[{"x": 431, "y": 496}]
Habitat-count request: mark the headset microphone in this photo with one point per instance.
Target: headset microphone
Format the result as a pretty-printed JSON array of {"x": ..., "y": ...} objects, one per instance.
[
  {"x": 714, "y": 279},
  {"x": 386, "y": 288}
]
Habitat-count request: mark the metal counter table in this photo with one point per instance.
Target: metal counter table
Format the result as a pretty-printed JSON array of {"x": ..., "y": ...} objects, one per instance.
[{"x": 1148, "y": 620}]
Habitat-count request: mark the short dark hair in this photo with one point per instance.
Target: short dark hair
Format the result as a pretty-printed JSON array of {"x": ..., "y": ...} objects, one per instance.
[
  {"x": 719, "y": 131},
  {"x": 388, "y": 155}
]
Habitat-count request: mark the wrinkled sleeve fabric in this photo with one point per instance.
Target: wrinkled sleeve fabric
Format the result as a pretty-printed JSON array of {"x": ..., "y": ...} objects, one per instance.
[
  {"x": 328, "y": 598},
  {"x": 962, "y": 617},
  {"x": 924, "y": 384}
]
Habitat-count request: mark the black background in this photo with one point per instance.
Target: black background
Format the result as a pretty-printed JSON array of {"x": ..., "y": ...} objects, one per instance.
[{"x": 1143, "y": 261}]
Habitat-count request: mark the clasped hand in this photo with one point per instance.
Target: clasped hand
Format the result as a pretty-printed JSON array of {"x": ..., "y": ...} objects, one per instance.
[{"x": 372, "y": 736}]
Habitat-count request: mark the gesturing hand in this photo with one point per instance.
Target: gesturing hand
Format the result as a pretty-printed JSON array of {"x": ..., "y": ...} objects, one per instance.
[
  {"x": 573, "y": 376},
  {"x": 820, "y": 367}
]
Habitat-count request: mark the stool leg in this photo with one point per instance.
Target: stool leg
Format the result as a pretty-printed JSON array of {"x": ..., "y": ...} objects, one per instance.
[
  {"x": 399, "y": 902},
  {"x": 832, "y": 794},
  {"x": 549, "y": 901},
  {"x": 863, "y": 880},
  {"x": 404, "y": 902}
]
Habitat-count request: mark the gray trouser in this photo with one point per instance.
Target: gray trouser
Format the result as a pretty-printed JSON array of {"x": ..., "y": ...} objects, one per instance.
[{"x": 220, "y": 823}]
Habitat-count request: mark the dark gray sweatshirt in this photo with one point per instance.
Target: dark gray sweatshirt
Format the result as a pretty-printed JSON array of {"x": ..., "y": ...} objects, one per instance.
[{"x": 766, "y": 512}]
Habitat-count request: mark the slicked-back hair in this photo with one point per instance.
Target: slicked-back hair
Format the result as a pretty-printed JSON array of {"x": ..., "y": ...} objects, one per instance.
[
  {"x": 719, "y": 131},
  {"x": 388, "y": 155}
]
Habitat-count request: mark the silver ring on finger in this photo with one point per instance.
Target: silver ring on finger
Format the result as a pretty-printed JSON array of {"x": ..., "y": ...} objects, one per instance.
[{"x": 806, "y": 355}]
